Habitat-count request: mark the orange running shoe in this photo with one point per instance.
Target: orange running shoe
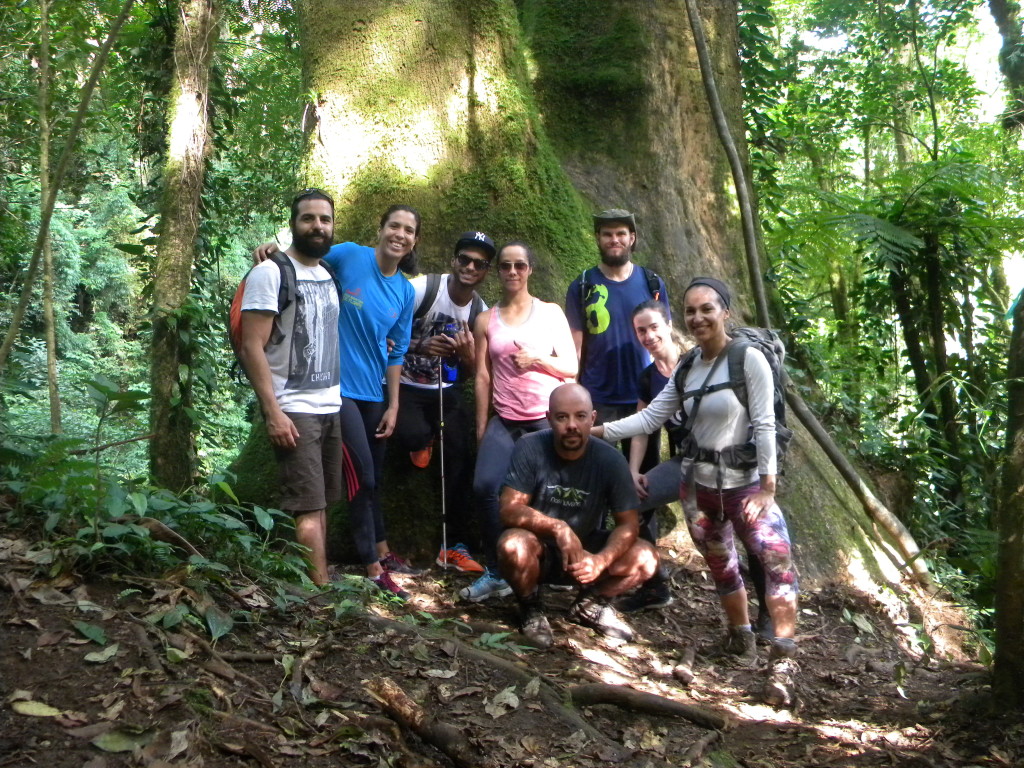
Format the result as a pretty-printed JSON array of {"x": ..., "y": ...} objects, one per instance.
[
  {"x": 457, "y": 557},
  {"x": 421, "y": 458}
]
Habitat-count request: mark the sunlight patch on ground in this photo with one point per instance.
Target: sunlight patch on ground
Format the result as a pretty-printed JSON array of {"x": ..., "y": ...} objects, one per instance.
[{"x": 613, "y": 672}]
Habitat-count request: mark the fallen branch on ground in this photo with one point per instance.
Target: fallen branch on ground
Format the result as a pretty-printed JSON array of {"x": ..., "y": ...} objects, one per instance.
[
  {"x": 447, "y": 738},
  {"x": 648, "y": 703},
  {"x": 699, "y": 747}
]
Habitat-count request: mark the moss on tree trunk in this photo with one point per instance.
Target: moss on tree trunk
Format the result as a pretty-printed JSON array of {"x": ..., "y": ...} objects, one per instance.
[{"x": 171, "y": 451}]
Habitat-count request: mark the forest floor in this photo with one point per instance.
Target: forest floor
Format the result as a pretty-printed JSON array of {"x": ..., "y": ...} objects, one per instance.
[{"x": 109, "y": 673}]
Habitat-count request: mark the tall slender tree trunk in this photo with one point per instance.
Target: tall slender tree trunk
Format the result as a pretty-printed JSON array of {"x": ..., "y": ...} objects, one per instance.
[
  {"x": 171, "y": 452},
  {"x": 1008, "y": 677},
  {"x": 1007, "y": 15},
  {"x": 949, "y": 422},
  {"x": 901, "y": 288},
  {"x": 44, "y": 193}
]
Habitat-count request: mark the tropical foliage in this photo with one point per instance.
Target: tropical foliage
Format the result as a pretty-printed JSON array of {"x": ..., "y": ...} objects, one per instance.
[{"x": 889, "y": 205}]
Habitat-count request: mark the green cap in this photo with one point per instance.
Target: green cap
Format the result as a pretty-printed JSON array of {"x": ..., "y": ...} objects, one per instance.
[{"x": 615, "y": 215}]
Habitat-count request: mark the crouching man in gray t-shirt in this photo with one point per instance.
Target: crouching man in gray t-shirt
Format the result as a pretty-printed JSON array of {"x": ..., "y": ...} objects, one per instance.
[{"x": 558, "y": 490}]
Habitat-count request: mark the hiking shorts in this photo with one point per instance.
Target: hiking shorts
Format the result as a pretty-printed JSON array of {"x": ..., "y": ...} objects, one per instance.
[
  {"x": 310, "y": 473},
  {"x": 551, "y": 571}
]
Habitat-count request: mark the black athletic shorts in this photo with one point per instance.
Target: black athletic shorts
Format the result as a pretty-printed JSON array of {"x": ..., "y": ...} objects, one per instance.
[{"x": 551, "y": 571}]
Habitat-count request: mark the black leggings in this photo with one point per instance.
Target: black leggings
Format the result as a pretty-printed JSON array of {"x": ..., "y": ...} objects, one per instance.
[
  {"x": 363, "y": 463},
  {"x": 493, "y": 457}
]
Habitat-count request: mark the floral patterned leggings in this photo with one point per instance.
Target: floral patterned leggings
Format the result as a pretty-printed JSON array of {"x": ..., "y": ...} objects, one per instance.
[{"x": 716, "y": 517}]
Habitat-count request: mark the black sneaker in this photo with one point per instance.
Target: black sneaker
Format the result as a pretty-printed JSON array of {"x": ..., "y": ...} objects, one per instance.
[
  {"x": 596, "y": 612},
  {"x": 651, "y": 594},
  {"x": 780, "y": 687},
  {"x": 535, "y": 626}
]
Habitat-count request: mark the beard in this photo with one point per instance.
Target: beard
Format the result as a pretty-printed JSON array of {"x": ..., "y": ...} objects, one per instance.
[
  {"x": 570, "y": 443},
  {"x": 615, "y": 260},
  {"x": 313, "y": 246}
]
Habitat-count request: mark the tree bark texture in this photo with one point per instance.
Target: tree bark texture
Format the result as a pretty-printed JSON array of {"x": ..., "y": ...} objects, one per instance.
[
  {"x": 44, "y": 193},
  {"x": 1008, "y": 677},
  {"x": 622, "y": 97},
  {"x": 171, "y": 452},
  {"x": 1011, "y": 58}
]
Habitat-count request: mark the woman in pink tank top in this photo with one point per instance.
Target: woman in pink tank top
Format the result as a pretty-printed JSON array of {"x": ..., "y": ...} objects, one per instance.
[{"x": 524, "y": 349}]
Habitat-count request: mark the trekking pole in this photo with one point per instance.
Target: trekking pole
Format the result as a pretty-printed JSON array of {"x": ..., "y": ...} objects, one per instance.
[{"x": 440, "y": 447}]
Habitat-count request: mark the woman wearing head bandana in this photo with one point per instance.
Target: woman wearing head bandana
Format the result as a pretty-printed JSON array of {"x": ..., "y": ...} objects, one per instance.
[{"x": 721, "y": 501}]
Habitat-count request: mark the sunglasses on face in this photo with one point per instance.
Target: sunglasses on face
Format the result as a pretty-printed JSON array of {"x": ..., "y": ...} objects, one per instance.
[
  {"x": 464, "y": 260},
  {"x": 508, "y": 266}
]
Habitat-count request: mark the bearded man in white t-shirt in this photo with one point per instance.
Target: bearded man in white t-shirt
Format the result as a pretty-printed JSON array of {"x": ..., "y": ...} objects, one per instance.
[
  {"x": 441, "y": 357},
  {"x": 291, "y": 358}
]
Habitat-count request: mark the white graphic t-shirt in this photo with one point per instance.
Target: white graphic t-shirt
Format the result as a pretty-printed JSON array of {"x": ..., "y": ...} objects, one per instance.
[{"x": 303, "y": 347}]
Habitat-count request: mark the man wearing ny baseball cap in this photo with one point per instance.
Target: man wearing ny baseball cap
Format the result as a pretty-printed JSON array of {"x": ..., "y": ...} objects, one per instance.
[{"x": 441, "y": 357}]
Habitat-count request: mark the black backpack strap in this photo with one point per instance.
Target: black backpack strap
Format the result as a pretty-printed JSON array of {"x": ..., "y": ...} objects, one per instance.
[
  {"x": 584, "y": 288},
  {"x": 334, "y": 276},
  {"x": 475, "y": 308},
  {"x": 682, "y": 371},
  {"x": 705, "y": 388},
  {"x": 737, "y": 377},
  {"x": 288, "y": 289},
  {"x": 433, "y": 286},
  {"x": 653, "y": 283}
]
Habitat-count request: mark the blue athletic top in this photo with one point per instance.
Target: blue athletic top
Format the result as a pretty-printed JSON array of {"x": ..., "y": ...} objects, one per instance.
[
  {"x": 612, "y": 356},
  {"x": 374, "y": 308}
]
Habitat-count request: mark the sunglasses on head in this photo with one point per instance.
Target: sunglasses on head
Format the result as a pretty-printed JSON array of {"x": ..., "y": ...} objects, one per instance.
[
  {"x": 465, "y": 260},
  {"x": 508, "y": 266},
  {"x": 304, "y": 193}
]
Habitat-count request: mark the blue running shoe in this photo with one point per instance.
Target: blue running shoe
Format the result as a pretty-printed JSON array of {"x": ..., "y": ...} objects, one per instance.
[{"x": 487, "y": 586}]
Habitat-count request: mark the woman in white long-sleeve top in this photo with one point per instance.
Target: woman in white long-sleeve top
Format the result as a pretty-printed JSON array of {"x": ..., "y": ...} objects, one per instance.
[{"x": 729, "y": 470}]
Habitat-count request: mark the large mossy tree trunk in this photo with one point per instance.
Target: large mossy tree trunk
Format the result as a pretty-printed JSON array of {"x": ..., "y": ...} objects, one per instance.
[
  {"x": 520, "y": 119},
  {"x": 171, "y": 450},
  {"x": 429, "y": 102}
]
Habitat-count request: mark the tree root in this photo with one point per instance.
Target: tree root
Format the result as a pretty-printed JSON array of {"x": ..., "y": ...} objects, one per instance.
[
  {"x": 648, "y": 703},
  {"x": 219, "y": 666},
  {"x": 699, "y": 747},
  {"x": 146, "y": 647},
  {"x": 447, "y": 738}
]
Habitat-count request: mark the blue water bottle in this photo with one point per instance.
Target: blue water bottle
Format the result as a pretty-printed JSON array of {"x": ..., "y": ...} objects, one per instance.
[{"x": 450, "y": 365}]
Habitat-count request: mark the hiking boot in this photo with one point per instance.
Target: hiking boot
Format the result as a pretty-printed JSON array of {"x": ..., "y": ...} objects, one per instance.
[
  {"x": 652, "y": 594},
  {"x": 421, "y": 458},
  {"x": 535, "y": 625},
  {"x": 487, "y": 586},
  {"x": 387, "y": 585},
  {"x": 763, "y": 627},
  {"x": 780, "y": 687},
  {"x": 739, "y": 642},
  {"x": 457, "y": 557},
  {"x": 596, "y": 612},
  {"x": 395, "y": 564}
]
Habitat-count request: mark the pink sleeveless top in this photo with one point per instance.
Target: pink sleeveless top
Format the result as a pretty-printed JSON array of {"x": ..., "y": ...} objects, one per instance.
[{"x": 523, "y": 395}]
